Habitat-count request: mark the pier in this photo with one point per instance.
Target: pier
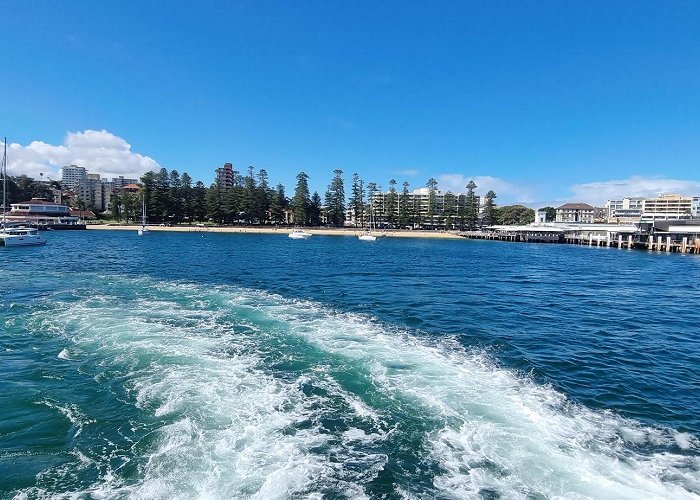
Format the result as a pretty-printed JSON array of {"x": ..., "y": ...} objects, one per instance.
[{"x": 661, "y": 236}]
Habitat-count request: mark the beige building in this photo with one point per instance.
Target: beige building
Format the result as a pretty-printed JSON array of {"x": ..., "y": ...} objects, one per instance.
[
  {"x": 667, "y": 206},
  {"x": 576, "y": 212}
]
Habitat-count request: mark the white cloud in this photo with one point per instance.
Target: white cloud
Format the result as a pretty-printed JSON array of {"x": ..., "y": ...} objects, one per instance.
[
  {"x": 99, "y": 151},
  {"x": 599, "y": 192},
  {"x": 507, "y": 192}
]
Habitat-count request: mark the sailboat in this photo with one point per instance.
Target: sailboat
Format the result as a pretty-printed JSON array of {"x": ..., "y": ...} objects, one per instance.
[
  {"x": 367, "y": 234},
  {"x": 15, "y": 236},
  {"x": 143, "y": 229}
]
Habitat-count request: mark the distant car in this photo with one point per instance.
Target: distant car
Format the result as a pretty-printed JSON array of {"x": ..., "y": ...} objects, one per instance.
[{"x": 199, "y": 224}]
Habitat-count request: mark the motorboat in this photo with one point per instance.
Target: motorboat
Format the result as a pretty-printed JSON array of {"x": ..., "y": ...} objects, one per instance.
[{"x": 299, "y": 234}]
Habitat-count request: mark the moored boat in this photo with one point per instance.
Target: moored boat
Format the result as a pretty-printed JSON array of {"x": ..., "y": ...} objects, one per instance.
[
  {"x": 299, "y": 234},
  {"x": 15, "y": 236}
]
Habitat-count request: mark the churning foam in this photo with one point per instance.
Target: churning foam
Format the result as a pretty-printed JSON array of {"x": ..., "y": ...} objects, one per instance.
[{"x": 233, "y": 428}]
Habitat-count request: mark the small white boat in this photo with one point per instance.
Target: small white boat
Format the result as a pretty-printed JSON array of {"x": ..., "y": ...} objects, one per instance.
[
  {"x": 367, "y": 236},
  {"x": 21, "y": 237},
  {"x": 299, "y": 234}
]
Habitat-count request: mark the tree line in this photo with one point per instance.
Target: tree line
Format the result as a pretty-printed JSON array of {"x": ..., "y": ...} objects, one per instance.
[{"x": 171, "y": 197}]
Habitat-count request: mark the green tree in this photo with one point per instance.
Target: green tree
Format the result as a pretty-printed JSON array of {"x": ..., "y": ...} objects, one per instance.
[
  {"x": 405, "y": 209},
  {"x": 175, "y": 208},
  {"x": 514, "y": 215},
  {"x": 315, "y": 210},
  {"x": 262, "y": 197},
  {"x": 551, "y": 214},
  {"x": 391, "y": 204},
  {"x": 335, "y": 200},
  {"x": 131, "y": 206},
  {"x": 22, "y": 188},
  {"x": 115, "y": 201},
  {"x": 301, "y": 200},
  {"x": 449, "y": 209},
  {"x": 214, "y": 212},
  {"x": 186, "y": 196},
  {"x": 471, "y": 210},
  {"x": 432, "y": 195},
  {"x": 489, "y": 217},
  {"x": 199, "y": 202},
  {"x": 278, "y": 205},
  {"x": 461, "y": 201},
  {"x": 357, "y": 199},
  {"x": 249, "y": 197}
]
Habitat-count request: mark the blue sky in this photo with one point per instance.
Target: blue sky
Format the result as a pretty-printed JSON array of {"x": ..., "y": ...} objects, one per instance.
[{"x": 548, "y": 100}]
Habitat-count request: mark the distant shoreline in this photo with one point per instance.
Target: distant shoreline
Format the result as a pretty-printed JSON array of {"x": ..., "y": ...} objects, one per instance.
[{"x": 283, "y": 230}]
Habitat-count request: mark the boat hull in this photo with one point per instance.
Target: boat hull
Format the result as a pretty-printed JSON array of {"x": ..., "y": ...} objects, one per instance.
[
  {"x": 300, "y": 236},
  {"x": 22, "y": 241}
]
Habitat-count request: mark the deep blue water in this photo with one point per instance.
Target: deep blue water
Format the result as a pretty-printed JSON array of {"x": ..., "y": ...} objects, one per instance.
[{"x": 194, "y": 364}]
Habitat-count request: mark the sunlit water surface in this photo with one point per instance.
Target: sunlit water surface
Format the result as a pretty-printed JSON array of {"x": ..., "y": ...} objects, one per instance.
[{"x": 245, "y": 366}]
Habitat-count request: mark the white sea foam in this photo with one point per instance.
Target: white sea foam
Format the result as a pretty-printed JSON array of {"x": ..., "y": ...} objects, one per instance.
[
  {"x": 231, "y": 428},
  {"x": 501, "y": 432}
]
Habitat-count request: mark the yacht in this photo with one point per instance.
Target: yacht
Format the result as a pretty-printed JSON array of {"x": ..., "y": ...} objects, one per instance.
[
  {"x": 15, "y": 236},
  {"x": 367, "y": 234},
  {"x": 21, "y": 237},
  {"x": 299, "y": 234}
]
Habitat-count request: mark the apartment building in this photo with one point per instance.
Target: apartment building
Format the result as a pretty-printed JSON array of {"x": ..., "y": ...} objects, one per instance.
[
  {"x": 667, "y": 206},
  {"x": 225, "y": 176},
  {"x": 72, "y": 175},
  {"x": 627, "y": 210}
]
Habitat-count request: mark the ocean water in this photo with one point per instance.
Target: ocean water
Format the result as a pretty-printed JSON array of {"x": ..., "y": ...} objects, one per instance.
[{"x": 247, "y": 366}]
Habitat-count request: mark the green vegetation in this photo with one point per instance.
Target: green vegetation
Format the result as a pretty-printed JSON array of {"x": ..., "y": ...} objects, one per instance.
[
  {"x": 514, "y": 215},
  {"x": 250, "y": 199}
]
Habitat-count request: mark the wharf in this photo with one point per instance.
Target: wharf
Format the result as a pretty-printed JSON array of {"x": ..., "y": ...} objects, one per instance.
[{"x": 659, "y": 238}]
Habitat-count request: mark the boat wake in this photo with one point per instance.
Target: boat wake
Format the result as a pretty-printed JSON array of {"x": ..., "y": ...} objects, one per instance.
[{"x": 238, "y": 393}]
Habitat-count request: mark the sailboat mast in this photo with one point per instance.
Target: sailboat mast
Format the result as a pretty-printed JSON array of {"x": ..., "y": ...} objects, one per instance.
[{"x": 4, "y": 186}]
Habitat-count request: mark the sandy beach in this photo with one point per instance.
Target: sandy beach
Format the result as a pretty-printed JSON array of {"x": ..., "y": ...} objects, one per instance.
[{"x": 272, "y": 230}]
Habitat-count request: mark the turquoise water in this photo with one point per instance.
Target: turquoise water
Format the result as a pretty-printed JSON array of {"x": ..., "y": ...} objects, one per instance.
[{"x": 245, "y": 366}]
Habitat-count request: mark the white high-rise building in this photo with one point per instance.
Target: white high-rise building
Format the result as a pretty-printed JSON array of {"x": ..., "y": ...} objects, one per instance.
[
  {"x": 72, "y": 176},
  {"x": 695, "y": 207}
]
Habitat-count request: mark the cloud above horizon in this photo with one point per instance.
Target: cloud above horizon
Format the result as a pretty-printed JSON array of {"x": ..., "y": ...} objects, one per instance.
[
  {"x": 506, "y": 191},
  {"x": 99, "y": 151},
  {"x": 600, "y": 192}
]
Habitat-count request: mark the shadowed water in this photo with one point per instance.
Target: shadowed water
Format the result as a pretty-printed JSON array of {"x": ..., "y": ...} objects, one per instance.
[{"x": 207, "y": 365}]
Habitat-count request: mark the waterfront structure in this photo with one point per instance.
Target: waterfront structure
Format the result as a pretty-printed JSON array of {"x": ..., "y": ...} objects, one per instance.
[
  {"x": 576, "y": 212},
  {"x": 72, "y": 176},
  {"x": 667, "y": 207},
  {"x": 540, "y": 216},
  {"x": 40, "y": 212}
]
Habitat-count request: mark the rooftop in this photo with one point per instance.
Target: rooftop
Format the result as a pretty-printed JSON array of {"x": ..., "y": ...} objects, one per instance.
[{"x": 575, "y": 206}]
